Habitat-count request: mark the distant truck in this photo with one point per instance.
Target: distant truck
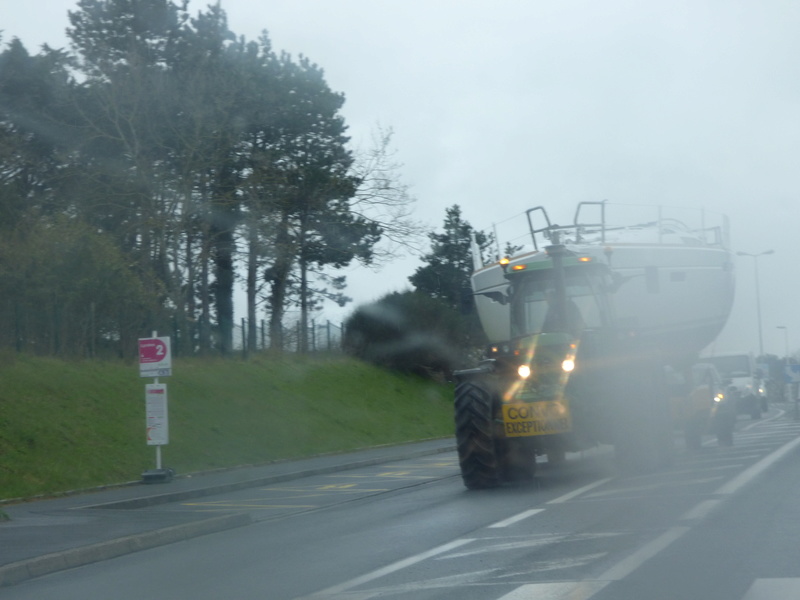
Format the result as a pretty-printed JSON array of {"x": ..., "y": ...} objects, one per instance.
[{"x": 743, "y": 382}]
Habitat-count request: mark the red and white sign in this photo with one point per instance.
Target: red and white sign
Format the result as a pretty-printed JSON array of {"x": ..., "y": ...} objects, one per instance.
[
  {"x": 157, "y": 417},
  {"x": 155, "y": 357}
]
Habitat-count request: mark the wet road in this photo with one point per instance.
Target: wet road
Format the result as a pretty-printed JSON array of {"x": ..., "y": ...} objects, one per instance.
[{"x": 722, "y": 523}]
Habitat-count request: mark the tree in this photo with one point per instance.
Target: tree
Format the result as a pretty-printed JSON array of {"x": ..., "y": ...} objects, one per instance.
[
  {"x": 313, "y": 225},
  {"x": 33, "y": 143},
  {"x": 382, "y": 198},
  {"x": 181, "y": 145},
  {"x": 449, "y": 264},
  {"x": 68, "y": 290},
  {"x": 207, "y": 91},
  {"x": 175, "y": 170},
  {"x": 125, "y": 50}
]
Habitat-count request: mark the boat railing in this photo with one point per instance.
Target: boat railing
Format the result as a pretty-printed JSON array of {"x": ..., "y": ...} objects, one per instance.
[{"x": 594, "y": 227}]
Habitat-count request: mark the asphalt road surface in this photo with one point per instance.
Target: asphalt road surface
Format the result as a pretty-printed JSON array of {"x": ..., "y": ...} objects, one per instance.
[{"x": 720, "y": 524}]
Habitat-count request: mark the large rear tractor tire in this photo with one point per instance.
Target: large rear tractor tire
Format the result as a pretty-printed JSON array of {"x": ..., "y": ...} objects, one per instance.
[{"x": 477, "y": 448}]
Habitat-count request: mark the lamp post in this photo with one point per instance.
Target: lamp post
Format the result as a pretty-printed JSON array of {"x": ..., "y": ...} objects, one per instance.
[
  {"x": 758, "y": 296},
  {"x": 788, "y": 387},
  {"x": 785, "y": 340}
]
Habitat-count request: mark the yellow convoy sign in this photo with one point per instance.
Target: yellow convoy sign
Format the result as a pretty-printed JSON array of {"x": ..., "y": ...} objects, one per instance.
[{"x": 536, "y": 418}]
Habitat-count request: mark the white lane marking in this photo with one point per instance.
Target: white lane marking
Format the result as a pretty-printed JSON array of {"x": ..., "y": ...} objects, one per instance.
[
  {"x": 655, "y": 486},
  {"x": 585, "y": 590},
  {"x": 749, "y": 474},
  {"x": 762, "y": 421},
  {"x": 563, "y": 590},
  {"x": 628, "y": 565},
  {"x": 516, "y": 518},
  {"x": 527, "y": 542},
  {"x": 625, "y": 567},
  {"x": 706, "y": 468},
  {"x": 543, "y": 566},
  {"x": 446, "y": 582},
  {"x": 397, "y": 566},
  {"x": 774, "y": 589},
  {"x": 722, "y": 458},
  {"x": 758, "y": 442},
  {"x": 579, "y": 491},
  {"x": 762, "y": 440},
  {"x": 701, "y": 511},
  {"x": 781, "y": 425}
]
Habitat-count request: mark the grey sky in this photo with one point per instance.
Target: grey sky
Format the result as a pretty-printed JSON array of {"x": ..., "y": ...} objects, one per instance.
[{"x": 501, "y": 106}]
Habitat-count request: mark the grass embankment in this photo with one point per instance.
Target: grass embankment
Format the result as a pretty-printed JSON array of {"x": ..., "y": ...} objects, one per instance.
[{"x": 74, "y": 425}]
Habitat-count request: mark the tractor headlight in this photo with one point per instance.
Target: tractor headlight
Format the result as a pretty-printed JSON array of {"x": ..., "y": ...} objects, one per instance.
[
  {"x": 568, "y": 365},
  {"x": 524, "y": 371}
]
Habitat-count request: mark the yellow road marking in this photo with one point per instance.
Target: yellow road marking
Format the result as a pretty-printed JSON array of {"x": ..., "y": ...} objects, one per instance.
[
  {"x": 220, "y": 505},
  {"x": 386, "y": 476},
  {"x": 349, "y": 490},
  {"x": 425, "y": 465}
]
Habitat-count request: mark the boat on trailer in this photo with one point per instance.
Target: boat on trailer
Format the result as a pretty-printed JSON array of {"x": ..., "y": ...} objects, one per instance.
[{"x": 673, "y": 278}]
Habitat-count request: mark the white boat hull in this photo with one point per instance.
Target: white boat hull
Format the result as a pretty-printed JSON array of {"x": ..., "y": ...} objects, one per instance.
[{"x": 677, "y": 291}]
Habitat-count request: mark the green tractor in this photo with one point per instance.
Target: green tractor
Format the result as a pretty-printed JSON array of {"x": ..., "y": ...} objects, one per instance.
[{"x": 573, "y": 371}]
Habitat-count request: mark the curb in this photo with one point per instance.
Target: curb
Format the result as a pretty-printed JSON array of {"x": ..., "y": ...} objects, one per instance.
[
  {"x": 154, "y": 500},
  {"x": 13, "y": 573},
  {"x": 58, "y": 561}
]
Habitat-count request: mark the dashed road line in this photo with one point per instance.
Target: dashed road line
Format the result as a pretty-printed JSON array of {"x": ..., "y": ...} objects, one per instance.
[
  {"x": 584, "y": 590},
  {"x": 579, "y": 491},
  {"x": 516, "y": 518},
  {"x": 785, "y": 588},
  {"x": 560, "y": 590},
  {"x": 387, "y": 570}
]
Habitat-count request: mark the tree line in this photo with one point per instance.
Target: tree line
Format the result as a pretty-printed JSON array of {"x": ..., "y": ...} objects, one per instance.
[{"x": 146, "y": 168}]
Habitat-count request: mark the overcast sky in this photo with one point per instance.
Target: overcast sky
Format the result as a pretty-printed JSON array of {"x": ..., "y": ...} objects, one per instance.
[{"x": 499, "y": 106}]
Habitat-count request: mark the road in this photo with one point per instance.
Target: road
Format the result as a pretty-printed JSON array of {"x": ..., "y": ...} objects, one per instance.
[{"x": 720, "y": 524}]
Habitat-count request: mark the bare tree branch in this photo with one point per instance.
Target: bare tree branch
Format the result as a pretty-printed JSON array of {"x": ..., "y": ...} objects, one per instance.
[{"x": 384, "y": 199}]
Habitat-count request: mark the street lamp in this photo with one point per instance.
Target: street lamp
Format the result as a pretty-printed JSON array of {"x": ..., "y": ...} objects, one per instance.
[
  {"x": 758, "y": 296},
  {"x": 787, "y": 386},
  {"x": 785, "y": 339}
]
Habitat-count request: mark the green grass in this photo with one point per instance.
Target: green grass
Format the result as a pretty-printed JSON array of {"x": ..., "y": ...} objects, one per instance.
[{"x": 74, "y": 425}]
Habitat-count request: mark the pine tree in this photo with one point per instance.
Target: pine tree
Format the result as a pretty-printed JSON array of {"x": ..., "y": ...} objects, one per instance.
[{"x": 449, "y": 264}]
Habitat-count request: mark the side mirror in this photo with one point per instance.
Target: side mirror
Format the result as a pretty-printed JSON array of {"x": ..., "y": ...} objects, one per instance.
[{"x": 495, "y": 297}]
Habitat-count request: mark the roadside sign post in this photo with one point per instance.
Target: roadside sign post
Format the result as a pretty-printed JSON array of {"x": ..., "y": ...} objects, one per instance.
[
  {"x": 155, "y": 360},
  {"x": 155, "y": 357}
]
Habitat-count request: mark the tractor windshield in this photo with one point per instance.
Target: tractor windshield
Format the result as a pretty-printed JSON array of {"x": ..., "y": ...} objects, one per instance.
[{"x": 535, "y": 310}]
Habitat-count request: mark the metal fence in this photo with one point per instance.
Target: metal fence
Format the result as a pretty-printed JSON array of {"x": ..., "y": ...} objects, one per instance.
[{"x": 322, "y": 337}]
